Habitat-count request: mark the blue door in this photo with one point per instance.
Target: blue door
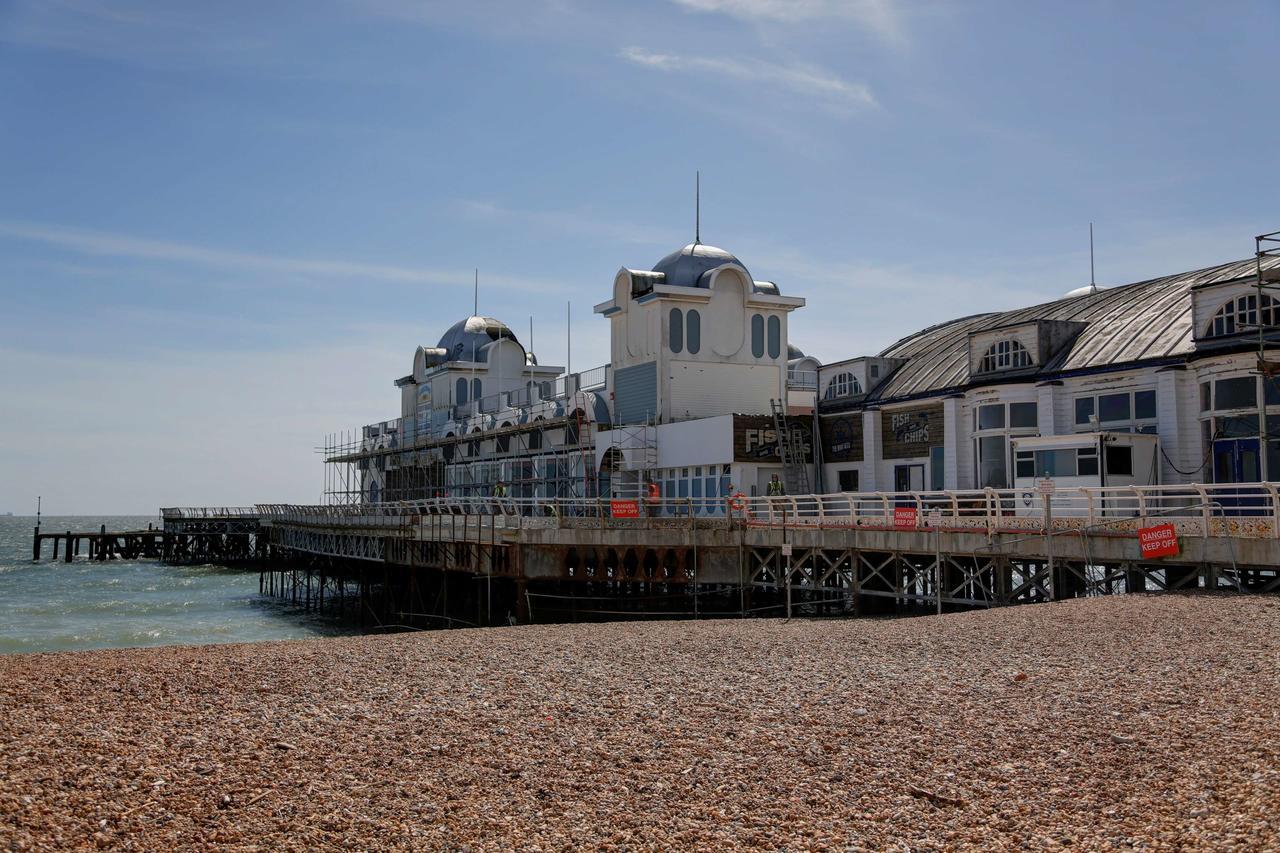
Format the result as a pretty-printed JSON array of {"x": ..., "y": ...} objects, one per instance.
[{"x": 1237, "y": 460}]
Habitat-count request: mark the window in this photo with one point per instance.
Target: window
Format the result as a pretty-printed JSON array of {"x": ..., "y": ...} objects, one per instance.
[
  {"x": 842, "y": 385},
  {"x": 475, "y": 389},
  {"x": 757, "y": 335},
  {"x": 460, "y": 392},
  {"x": 991, "y": 417},
  {"x": 1004, "y": 355},
  {"x": 775, "y": 337},
  {"x": 875, "y": 371},
  {"x": 1023, "y": 416},
  {"x": 993, "y": 469},
  {"x": 1241, "y": 315},
  {"x": 693, "y": 332},
  {"x": 1119, "y": 460},
  {"x": 675, "y": 329},
  {"x": 1206, "y": 397},
  {"x": 1121, "y": 411},
  {"x": 1084, "y": 410},
  {"x": 1238, "y": 393},
  {"x": 1087, "y": 462},
  {"x": 937, "y": 468},
  {"x": 848, "y": 481},
  {"x": 1114, "y": 407}
]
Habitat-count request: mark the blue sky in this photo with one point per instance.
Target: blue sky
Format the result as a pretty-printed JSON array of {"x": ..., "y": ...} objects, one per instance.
[{"x": 225, "y": 227}]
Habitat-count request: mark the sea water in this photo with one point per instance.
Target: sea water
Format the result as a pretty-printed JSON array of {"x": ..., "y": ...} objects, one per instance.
[{"x": 58, "y": 606}]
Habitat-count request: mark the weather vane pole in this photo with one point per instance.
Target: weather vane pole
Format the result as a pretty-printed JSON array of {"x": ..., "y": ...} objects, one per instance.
[{"x": 697, "y": 207}]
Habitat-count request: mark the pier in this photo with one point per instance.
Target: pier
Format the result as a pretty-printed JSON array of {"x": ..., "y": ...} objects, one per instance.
[{"x": 486, "y": 561}]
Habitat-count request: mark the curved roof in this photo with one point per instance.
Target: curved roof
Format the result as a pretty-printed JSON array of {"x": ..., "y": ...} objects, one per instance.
[
  {"x": 1131, "y": 323},
  {"x": 466, "y": 339},
  {"x": 685, "y": 267}
]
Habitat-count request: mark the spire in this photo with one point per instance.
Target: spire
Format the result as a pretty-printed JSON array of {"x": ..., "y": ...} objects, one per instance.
[{"x": 697, "y": 207}]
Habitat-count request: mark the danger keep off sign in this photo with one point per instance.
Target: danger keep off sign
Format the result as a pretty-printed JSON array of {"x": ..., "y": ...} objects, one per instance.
[
  {"x": 625, "y": 508},
  {"x": 1158, "y": 541}
]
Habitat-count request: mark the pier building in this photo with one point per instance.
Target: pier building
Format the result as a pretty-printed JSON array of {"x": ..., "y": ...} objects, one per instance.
[
  {"x": 1118, "y": 439},
  {"x": 1055, "y": 389},
  {"x": 703, "y": 380}
]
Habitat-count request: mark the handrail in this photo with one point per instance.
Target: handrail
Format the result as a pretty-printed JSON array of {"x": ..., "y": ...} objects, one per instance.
[{"x": 1248, "y": 510}]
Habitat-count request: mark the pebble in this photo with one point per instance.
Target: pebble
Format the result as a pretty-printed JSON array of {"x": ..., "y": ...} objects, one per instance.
[{"x": 660, "y": 735}]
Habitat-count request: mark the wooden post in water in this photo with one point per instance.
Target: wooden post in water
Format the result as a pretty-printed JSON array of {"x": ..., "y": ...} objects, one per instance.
[
  {"x": 70, "y": 553},
  {"x": 35, "y": 546},
  {"x": 55, "y": 547}
]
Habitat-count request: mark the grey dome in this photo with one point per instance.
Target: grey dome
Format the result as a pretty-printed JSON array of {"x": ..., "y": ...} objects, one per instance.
[
  {"x": 686, "y": 267},
  {"x": 794, "y": 352},
  {"x": 466, "y": 339}
]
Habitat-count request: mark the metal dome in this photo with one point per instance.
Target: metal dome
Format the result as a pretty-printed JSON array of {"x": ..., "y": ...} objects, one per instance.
[
  {"x": 466, "y": 339},
  {"x": 685, "y": 267}
]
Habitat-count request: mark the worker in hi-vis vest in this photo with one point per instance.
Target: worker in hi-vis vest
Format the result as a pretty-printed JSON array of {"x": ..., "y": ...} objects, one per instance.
[
  {"x": 776, "y": 489},
  {"x": 653, "y": 494}
]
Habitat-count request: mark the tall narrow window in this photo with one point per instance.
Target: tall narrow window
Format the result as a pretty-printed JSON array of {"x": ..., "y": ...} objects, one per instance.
[
  {"x": 693, "y": 332},
  {"x": 775, "y": 337},
  {"x": 475, "y": 389},
  {"x": 757, "y": 335},
  {"x": 676, "y": 330},
  {"x": 460, "y": 393}
]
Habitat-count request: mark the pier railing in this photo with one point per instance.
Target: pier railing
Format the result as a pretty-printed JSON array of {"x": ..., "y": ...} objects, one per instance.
[
  {"x": 211, "y": 512},
  {"x": 1246, "y": 510}
]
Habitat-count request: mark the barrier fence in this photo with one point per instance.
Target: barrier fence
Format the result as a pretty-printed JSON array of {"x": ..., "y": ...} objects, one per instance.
[{"x": 1249, "y": 510}]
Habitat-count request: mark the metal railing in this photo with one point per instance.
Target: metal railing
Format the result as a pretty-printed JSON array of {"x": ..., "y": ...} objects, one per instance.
[
  {"x": 802, "y": 380},
  {"x": 184, "y": 512},
  {"x": 1246, "y": 510}
]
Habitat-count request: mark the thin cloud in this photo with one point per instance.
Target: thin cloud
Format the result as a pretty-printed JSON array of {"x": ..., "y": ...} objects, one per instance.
[
  {"x": 799, "y": 79},
  {"x": 880, "y": 17},
  {"x": 107, "y": 244}
]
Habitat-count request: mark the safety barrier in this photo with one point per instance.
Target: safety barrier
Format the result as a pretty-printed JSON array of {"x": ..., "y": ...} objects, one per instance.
[{"x": 1247, "y": 510}]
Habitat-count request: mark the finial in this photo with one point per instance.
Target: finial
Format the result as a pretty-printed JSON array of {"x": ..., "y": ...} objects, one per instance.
[{"x": 697, "y": 207}]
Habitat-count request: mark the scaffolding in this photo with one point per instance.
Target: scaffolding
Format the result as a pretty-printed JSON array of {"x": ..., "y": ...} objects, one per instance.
[
  {"x": 1266, "y": 249},
  {"x": 631, "y": 460},
  {"x": 543, "y": 448}
]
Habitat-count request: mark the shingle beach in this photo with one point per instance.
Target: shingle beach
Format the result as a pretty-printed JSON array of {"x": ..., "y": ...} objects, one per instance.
[{"x": 1106, "y": 723}]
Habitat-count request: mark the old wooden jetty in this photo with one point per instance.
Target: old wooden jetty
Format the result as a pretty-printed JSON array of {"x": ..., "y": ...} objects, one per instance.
[{"x": 220, "y": 535}]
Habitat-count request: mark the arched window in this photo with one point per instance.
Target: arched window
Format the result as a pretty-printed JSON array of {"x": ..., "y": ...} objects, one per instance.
[
  {"x": 757, "y": 336},
  {"x": 675, "y": 330},
  {"x": 693, "y": 332},
  {"x": 1241, "y": 315},
  {"x": 775, "y": 337},
  {"x": 475, "y": 389},
  {"x": 460, "y": 392},
  {"x": 1005, "y": 355},
  {"x": 842, "y": 385}
]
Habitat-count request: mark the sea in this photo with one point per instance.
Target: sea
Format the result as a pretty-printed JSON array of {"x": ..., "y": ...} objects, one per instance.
[{"x": 55, "y": 606}]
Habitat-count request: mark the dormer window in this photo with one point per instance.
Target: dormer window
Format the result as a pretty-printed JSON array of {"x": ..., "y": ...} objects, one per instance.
[
  {"x": 1241, "y": 315},
  {"x": 842, "y": 385},
  {"x": 1005, "y": 355}
]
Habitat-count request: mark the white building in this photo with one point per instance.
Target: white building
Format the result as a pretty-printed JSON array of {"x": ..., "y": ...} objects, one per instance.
[
  {"x": 700, "y": 356},
  {"x": 1175, "y": 357},
  {"x": 702, "y": 375}
]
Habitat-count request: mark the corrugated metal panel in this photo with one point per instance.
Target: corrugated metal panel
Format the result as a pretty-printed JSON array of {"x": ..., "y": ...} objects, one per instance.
[
  {"x": 635, "y": 393},
  {"x": 700, "y": 389},
  {"x": 1126, "y": 324}
]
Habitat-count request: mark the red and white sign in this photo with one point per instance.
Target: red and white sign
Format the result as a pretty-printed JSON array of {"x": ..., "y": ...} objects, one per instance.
[
  {"x": 1158, "y": 541},
  {"x": 905, "y": 516},
  {"x": 625, "y": 508}
]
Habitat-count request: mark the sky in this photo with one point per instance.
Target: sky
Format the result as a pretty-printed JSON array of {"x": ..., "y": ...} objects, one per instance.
[{"x": 225, "y": 227}]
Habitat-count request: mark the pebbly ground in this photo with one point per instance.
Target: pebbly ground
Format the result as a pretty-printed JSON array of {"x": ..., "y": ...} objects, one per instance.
[{"x": 1145, "y": 721}]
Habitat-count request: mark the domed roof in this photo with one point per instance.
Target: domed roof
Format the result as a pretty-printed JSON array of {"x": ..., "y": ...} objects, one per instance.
[
  {"x": 685, "y": 267},
  {"x": 466, "y": 339}
]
